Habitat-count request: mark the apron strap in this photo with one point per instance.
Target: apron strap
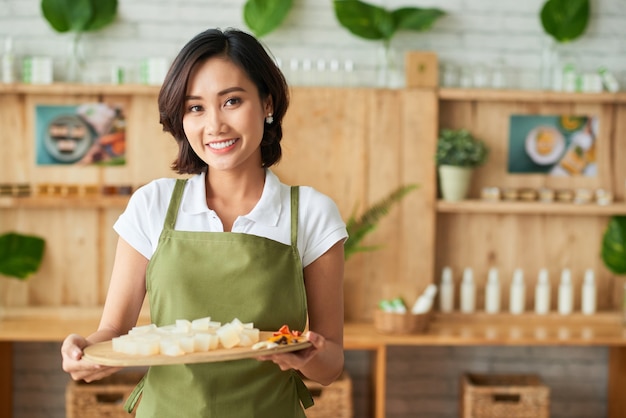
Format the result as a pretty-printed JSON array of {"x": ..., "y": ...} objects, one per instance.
[
  {"x": 172, "y": 209},
  {"x": 134, "y": 397},
  {"x": 295, "y": 193},
  {"x": 303, "y": 392}
]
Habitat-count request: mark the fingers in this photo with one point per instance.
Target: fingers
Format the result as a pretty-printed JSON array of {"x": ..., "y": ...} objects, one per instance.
[
  {"x": 77, "y": 367},
  {"x": 298, "y": 359}
]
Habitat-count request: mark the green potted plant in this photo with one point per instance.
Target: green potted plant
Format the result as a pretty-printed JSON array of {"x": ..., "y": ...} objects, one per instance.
[
  {"x": 264, "y": 16},
  {"x": 360, "y": 226},
  {"x": 377, "y": 23},
  {"x": 458, "y": 154},
  {"x": 20, "y": 255},
  {"x": 613, "y": 251},
  {"x": 78, "y": 17}
]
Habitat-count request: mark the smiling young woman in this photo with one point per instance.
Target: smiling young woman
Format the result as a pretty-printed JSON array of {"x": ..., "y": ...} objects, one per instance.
[{"x": 231, "y": 241}]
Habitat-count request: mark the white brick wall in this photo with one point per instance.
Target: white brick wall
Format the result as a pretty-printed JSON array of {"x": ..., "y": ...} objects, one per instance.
[{"x": 472, "y": 32}]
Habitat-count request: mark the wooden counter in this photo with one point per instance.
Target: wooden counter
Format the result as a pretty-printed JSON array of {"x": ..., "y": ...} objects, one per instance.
[{"x": 602, "y": 329}]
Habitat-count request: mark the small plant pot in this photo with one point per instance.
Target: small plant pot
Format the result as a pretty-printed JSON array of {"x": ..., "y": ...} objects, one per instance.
[{"x": 454, "y": 182}]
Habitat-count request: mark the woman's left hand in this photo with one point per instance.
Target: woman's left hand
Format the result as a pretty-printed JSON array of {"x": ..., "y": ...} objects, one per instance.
[{"x": 297, "y": 359}]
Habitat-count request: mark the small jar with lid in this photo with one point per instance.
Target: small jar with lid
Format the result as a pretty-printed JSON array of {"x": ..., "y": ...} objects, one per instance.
[
  {"x": 490, "y": 194},
  {"x": 528, "y": 195},
  {"x": 510, "y": 194},
  {"x": 546, "y": 195},
  {"x": 583, "y": 196},
  {"x": 564, "y": 196},
  {"x": 604, "y": 197}
]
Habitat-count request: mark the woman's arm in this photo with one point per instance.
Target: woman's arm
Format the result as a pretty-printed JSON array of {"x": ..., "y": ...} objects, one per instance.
[
  {"x": 323, "y": 362},
  {"x": 123, "y": 303}
]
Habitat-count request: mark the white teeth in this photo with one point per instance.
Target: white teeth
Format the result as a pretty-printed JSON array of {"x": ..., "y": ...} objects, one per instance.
[{"x": 221, "y": 145}]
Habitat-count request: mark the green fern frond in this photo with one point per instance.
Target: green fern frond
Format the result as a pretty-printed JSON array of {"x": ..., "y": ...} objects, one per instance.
[{"x": 359, "y": 226}]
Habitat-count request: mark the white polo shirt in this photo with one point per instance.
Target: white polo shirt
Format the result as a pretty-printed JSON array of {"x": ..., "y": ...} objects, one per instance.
[{"x": 320, "y": 225}]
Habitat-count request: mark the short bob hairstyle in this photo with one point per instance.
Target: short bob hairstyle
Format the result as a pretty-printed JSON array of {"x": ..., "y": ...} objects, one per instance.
[{"x": 247, "y": 53}]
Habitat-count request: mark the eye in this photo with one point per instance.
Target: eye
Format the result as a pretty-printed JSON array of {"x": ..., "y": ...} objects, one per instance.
[
  {"x": 232, "y": 101},
  {"x": 194, "y": 108}
]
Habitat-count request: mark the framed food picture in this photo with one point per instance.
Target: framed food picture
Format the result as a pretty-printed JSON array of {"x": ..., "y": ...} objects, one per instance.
[
  {"x": 557, "y": 145},
  {"x": 83, "y": 134}
]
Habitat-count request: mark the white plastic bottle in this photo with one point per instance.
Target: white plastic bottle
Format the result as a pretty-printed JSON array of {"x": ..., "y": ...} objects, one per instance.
[
  {"x": 468, "y": 291},
  {"x": 566, "y": 293},
  {"x": 8, "y": 62},
  {"x": 517, "y": 294},
  {"x": 492, "y": 292},
  {"x": 542, "y": 293},
  {"x": 588, "y": 305},
  {"x": 424, "y": 302},
  {"x": 446, "y": 291}
]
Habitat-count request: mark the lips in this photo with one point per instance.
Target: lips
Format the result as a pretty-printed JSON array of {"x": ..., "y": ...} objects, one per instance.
[{"x": 221, "y": 144}]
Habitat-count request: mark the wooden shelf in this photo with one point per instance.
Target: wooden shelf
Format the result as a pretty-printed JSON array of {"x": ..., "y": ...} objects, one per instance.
[
  {"x": 530, "y": 208},
  {"x": 72, "y": 88},
  {"x": 455, "y": 329},
  {"x": 73, "y": 202},
  {"x": 532, "y": 96}
]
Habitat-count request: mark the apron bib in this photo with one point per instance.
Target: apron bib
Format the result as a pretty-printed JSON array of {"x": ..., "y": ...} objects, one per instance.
[{"x": 224, "y": 275}]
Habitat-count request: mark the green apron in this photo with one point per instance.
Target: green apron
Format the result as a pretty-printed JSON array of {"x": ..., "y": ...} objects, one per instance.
[{"x": 224, "y": 275}]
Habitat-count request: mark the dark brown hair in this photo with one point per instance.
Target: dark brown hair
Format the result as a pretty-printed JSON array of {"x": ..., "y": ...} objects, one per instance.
[{"x": 247, "y": 53}]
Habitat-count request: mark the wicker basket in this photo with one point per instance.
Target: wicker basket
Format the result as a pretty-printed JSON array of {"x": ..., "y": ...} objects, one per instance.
[
  {"x": 510, "y": 396},
  {"x": 101, "y": 399},
  {"x": 105, "y": 398},
  {"x": 332, "y": 401},
  {"x": 395, "y": 323}
]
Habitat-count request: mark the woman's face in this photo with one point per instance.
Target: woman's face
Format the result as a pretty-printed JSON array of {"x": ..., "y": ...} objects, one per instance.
[{"x": 224, "y": 115}]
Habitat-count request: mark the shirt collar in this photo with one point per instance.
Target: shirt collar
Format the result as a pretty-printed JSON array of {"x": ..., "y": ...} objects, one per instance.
[{"x": 267, "y": 210}]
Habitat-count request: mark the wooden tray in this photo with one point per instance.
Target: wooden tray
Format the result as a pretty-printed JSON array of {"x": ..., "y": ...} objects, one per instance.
[{"x": 102, "y": 353}]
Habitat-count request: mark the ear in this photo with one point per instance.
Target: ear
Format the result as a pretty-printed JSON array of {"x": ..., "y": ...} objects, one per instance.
[{"x": 269, "y": 105}]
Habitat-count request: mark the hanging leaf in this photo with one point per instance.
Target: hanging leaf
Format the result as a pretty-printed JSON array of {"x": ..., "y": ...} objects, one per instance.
[
  {"x": 614, "y": 245},
  {"x": 365, "y": 20},
  {"x": 20, "y": 255},
  {"x": 415, "y": 18},
  {"x": 565, "y": 20},
  {"x": 359, "y": 227},
  {"x": 263, "y": 16},
  {"x": 104, "y": 13},
  {"x": 372, "y": 22},
  {"x": 78, "y": 15}
]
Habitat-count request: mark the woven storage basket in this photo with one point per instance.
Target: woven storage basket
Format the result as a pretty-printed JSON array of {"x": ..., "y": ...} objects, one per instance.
[
  {"x": 101, "y": 399},
  {"x": 396, "y": 323},
  {"x": 332, "y": 401},
  {"x": 105, "y": 398},
  {"x": 499, "y": 396}
]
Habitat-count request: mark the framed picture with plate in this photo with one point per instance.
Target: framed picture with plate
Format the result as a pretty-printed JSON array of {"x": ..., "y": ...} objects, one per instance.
[
  {"x": 83, "y": 134},
  {"x": 557, "y": 145}
]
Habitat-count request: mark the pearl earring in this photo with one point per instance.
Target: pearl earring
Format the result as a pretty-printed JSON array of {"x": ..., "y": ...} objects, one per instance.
[{"x": 269, "y": 119}]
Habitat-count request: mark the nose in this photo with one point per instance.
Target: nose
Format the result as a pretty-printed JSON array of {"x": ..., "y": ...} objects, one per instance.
[{"x": 214, "y": 124}]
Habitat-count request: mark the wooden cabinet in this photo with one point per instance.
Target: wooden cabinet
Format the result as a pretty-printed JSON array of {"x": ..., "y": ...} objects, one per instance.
[
  {"x": 355, "y": 145},
  {"x": 532, "y": 235}
]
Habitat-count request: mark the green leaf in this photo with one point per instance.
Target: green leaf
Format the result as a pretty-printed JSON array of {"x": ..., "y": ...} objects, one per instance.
[
  {"x": 66, "y": 15},
  {"x": 20, "y": 255},
  {"x": 614, "y": 245},
  {"x": 263, "y": 16},
  {"x": 565, "y": 20},
  {"x": 359, "y": 227},
  {"x": 415, "y": 18},
  {"x": 78, "y": 15},
  {"x": 365, "y": 20},
  {"x": 104, "y": 13}
]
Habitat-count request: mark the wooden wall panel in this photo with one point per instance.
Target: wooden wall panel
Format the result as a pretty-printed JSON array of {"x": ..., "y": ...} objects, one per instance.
[{"x": 356, "y": 145}]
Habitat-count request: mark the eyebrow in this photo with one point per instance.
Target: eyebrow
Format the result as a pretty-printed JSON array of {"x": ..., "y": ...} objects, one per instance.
[{"x": 220, "y": 93}]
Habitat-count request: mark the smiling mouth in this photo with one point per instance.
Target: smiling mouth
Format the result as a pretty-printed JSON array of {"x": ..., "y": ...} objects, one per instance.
[{"x": 221, "y": 145}]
